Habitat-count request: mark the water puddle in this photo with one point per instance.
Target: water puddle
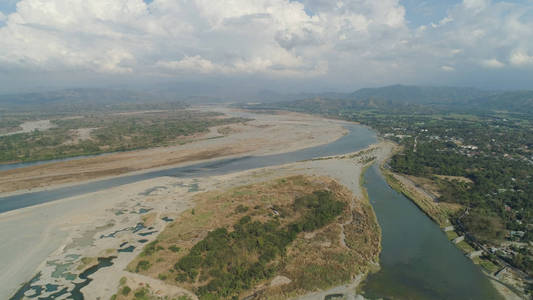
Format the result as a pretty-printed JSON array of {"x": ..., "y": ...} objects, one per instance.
[
  {"x": 32, "y": 290},
  {"x": 135, "y": 229},
  {"x": 147, "y": 233},
  {"x": 127, "y": 249},
  {"x": 167, "y": 219}
]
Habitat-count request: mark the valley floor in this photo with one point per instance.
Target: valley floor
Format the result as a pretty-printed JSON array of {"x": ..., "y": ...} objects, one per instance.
[
  {"x": 119, "y": 222},
  {"x": 265, "y": 134}
]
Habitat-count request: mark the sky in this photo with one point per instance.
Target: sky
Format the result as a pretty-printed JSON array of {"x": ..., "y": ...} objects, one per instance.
[{"x": 304, "y": 45}]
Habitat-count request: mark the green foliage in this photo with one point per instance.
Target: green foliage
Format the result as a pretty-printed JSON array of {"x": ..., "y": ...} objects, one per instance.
[
  {"x": 500, "y": 165},
  {"x": 485, "y": 137},
  {"x": 113, "y": 132},
  {"x": 141, "y": 293},
  {"x": 174, "y": 248},
  {"x": 126, "y": 290},
  {"x": 230, "y": 262},
  {"x": 322, "y": 209},
  {"x": 162, "y": 277},
  {"x": 487, "y": 228},
  {"x": 122, "y": 281},
  {"x": 151, "y": 248},
  {"x": 142, "y": 265}
]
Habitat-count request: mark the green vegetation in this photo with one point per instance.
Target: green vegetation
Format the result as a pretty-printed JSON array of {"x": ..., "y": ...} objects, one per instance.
[
  {"x": 174, "y": 248},
  {"x": 105, "y": 132},
  {"x": 476, "y": 147},
  {"x": 142, "y": 265},
  {"x": 451, "y": 235},
  {"x": 230, "y": 262},
  {"x": 126, "y": 290},
  {"x": 486, "y": 264},
  {"x": 465, "y": 247},
  {"x": 291, "y": 226},
  {"x": 151, "y": 248}
]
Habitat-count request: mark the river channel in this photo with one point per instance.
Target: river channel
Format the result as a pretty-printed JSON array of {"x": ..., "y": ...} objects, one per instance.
[{"x": 417, "y": 261}]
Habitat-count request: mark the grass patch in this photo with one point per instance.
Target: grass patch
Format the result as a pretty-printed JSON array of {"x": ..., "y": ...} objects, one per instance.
[
  {"x": 486, "y": 264},
  {"x": 465, "y": 247},
  {"x": 86, "y": 262},
  {"x": 290, "y": 225},
  {"x": 228, "y": 263},
  {"x": 451, "y": 235}
]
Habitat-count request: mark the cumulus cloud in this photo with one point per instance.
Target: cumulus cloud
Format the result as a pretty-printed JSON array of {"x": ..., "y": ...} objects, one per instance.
[
  {"x": 520, "y": 57},
  {"x": 2, "y": 17},
  {"x": 492, "y": 63},
  {"x": 342, "y": 40},
  {"x": 198, "y": 36}
]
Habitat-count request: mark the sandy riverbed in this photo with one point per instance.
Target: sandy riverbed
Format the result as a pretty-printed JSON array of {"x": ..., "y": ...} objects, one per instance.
[
  {"x": 55, "y": 236},
  {"x": 266, "y": 134},
  {"x": 31, "y": 126}
]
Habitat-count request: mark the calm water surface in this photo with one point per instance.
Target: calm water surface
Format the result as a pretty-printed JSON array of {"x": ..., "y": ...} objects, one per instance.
[
  {"x": 358, "y": 138},
  {"x": 417, "y": 260}
]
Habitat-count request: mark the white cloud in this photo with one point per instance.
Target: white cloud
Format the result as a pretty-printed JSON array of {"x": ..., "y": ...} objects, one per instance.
[
  {"x": 442, "y": 22},
  {"x": 447, "y": 68},
  {"x": 190, "y": 64},
  {"x": 201, "y": 36},
  {"x": 344, "y": 40},
  {"x": 2, "y": 17},
  {"x": 520, "y": 57},
  {"x": 492, "y": 63},
  {"x": 476, "y": 5}
]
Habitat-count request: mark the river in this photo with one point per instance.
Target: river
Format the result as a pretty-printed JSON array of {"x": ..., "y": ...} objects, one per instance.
[
  {"x": 358, "y": 137},
  {"x": 417, "y": 260}
]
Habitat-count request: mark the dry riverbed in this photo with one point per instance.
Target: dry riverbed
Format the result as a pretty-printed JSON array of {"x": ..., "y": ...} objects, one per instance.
[
  {"x": 266, "y": 134},
  {"x": 63, "y": 239}
]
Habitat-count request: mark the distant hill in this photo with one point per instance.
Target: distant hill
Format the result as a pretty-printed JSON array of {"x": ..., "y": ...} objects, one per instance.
[
  {"x": 395, "y": 98},
  {"x": 517, "y": 101},
  {"x": 75, "y": 99},
  {"x": 402, "y": 98},
  {"x": 419, "y": 95}
]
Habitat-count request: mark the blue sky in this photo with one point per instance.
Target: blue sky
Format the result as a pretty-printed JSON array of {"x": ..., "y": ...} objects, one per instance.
[
  {"x": 302, "y": 45},
  {"x": 8, "y": 6},
  {"x": 420, "y": 12}
]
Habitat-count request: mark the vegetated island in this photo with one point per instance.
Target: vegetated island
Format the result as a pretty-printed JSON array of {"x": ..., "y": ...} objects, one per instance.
[{"x": 270, "y": 240}]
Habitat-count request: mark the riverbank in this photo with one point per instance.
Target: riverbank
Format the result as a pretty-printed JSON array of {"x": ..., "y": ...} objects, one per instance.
[
  {"x": 346, "y": 170},
  {"x": 266, "y": 134},
  {"x": 105, "y": 223},
  {"x": 114, "y": 220},
  {"x": 440, "y": 213}
]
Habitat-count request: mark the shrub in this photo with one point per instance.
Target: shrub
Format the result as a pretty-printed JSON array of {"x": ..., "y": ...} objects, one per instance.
[
  {"x": 126, "y": 290},
  {"x": 142, "y": 265}
]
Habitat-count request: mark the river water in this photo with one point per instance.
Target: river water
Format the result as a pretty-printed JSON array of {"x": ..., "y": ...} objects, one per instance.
[{"x": 417, "y": 260}]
